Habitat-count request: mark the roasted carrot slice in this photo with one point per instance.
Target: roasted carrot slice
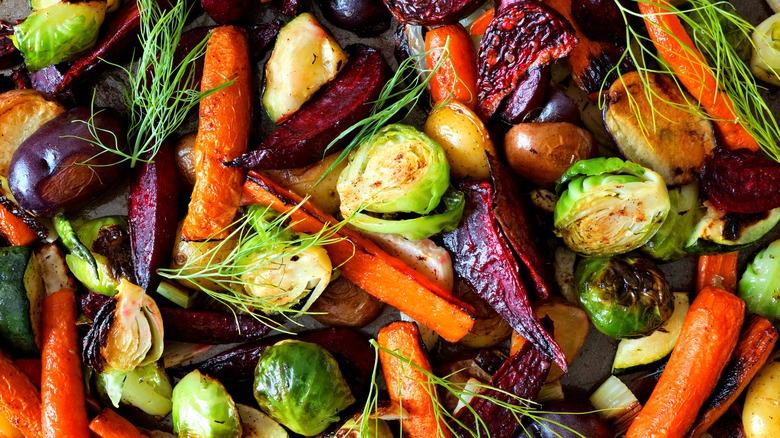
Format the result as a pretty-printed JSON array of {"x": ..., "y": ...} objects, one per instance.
[
  {"x": 456, "y": 78},
  {"x": 480, "y": 25},
  {"x": 719, "y": 270},
  {"x": 109, "y": 424},
  {"x": 31, "y": 368},
  {"x": 365, "y": 264},
  {"x": 408, "y": 386},
  {"x": 20, "y": 401},
  {"x": 223, "y": 134},
  {"x": 14, "y": 229},
  {"x": 676, "y": 48},
  {"x": 707, "y": 339}
]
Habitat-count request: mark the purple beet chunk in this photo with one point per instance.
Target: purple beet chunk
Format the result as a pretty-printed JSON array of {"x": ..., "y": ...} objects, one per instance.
[
  {"x": 528, "y": 98},
  {"x": 225, "y": 11}
]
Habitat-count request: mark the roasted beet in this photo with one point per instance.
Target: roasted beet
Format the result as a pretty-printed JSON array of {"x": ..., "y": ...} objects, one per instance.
[
  {"x": 599, "y": 20},
  {"x": 559, "y": 108},
  {"x": 741, "y": 181},
  {"x": 225, "y": 11},
  {"x": 569, "y": 419},
  {"x": 9, "y": 55},
  {"x": 431, "y": 12},
  {"x": 523, "y": 34},
  {"x": 59, "y": 167},
  {"x": 527, "y": 98},
  {"x": 366, "y": 18},
  {"x": 301, "y": 139}
]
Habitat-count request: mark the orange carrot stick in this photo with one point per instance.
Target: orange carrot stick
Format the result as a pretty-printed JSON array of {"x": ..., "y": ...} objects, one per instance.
[
  {"x": 109, "y": 424},
  {"x": 62, "y": 384},
  {"x": 719, "y": 270},
  {"x": 14, "y": 229},
  {"x": 480, "y": 25},
  {"x": 366, "y": 265},
  {"x": 408, "y": 386},
  {"x": 31, "y": 368},
  {"x": 223, "y": 134},
  {"x": 708, "y": 337},
  {"x": 676, "y": 48},
  {"x": 20, "y": 401},
  {"x": 456, "y": 78}
]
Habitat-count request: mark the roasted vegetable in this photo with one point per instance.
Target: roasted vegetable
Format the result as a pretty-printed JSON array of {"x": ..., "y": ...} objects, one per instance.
[
  {"x": 21, "y": 296},
  {"x": 741, "y": 181},
  {"x": 569, "y": 418},
  {"x": 669, "y": 242},
  {"x": 315, "y": 181},
  {"x": 528, "y": 96},
  {"x": 203, "y": 408},
  {"x": 733, "y": 34},
  {"x": 22, "y": 112},
  {"x": 58, "y": 33},
  {"x": 625, "y": 296},
  {"x": 760, "y": 283},
  {"x": 430, "y": 12},
  {"x": 765, "y": 61},
  {"x": 609, "y": 206},
  {"x": 225, "y": 11},
  {"x": 599, "y": 20},
  {"x": 344, "y": 304},
  {"x": 366, "y": 18},
  {"x": 633, "y": 116},
  {"x": 73, "y": 170},
  {"x": 304, "y": 58},
  {"x": 718, "y": 232},
  {"x": 761, "y": 412},
  {"x": 299, "y": 384},
  {"x": 145, "y": 387}
]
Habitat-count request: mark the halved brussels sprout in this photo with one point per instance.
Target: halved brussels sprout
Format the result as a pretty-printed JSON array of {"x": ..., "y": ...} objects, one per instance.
[
  {"x": 299, "y": 385},
  {"x": 147, "y": 388},
  {"x": 668, "y": 243},
  {"x": 203, "y": 408},
  {"x": 609, "y": 206},
  {"x": 398, "y": 170},
  {"x": 759, "y": 285},
  {"x": 58, "y": 33},
  {"x": 624, "y": 296}
]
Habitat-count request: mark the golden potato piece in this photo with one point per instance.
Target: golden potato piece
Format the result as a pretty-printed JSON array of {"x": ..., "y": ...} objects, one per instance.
[{"x": 22, "y": 112}]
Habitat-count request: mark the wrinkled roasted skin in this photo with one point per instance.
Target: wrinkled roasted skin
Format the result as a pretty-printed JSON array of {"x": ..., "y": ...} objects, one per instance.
[
  {"x": 431, "y": 12},
  {"x": 741, "y": 181}
]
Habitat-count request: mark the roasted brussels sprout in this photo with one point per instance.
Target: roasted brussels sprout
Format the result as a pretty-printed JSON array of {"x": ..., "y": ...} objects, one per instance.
[
  {"x": 203, "y": 408},
  {"x": 759, "y": 285},
  {"x": 624, "y": 296},
  {"x": 609, "y": 206},
  {"x": 299, "y": 385},
  {"x": 147, "y": 388},
  {"x": 398, "y": 170},
  {"x": 765, "y": 62},
  {"x": 58, "y": 33},
  {"x": 668, "y": 243}
]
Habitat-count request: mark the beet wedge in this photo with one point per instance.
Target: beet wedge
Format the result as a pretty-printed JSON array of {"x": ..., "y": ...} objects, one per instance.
[
  {"x": 483, "y": 258},
  {"x": 522, "y": 375},
  {"x": 152, "y": 216},
  {"x": 431, "y": 12},
  {"x": 301, "y": 140}
]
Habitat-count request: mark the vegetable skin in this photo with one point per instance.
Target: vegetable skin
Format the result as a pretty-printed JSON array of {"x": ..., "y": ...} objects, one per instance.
[
  {"x": 109, "y": 424},
  {"x": 20, "y": 400},
  {"x": 457, "y": 77}
]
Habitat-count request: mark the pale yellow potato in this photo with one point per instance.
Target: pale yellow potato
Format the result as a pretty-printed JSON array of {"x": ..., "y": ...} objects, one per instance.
[
  {"x": 22, "y": 112},
  {"x": 761, "y": 413},
  {"x": 302, "y": 181},
  {"x": 464, "y": 139}
]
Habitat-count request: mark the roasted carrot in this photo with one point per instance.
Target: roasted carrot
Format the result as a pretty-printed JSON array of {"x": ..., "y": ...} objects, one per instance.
[
  {"x": 480, "y": 25},
  {"x": 223, "y": 134},
  {"x": 719, "y": 270},
  {"x": 752, "y": 351},
  {"x": 408, "y": 386},
  {"x": 456, "y": 78},
  {"x": 31, "y": 368},
  {"x": 363, "y": 263},
  {"x": 708, "y": 337},
  {"x": 676, "y": 48},
  {"x": 109, "y": 424},
  {"x": 20, "y": 400},
  {"x": 62, "y": 384},
  {"x": 14, "y": 230}
]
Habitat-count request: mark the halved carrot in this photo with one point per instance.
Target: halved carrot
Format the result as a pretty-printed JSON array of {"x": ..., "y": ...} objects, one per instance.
[
  {"x": 363, "y": 263},
  {"x": 31, "y": 368},
  {"x": 678, "y": 50},
  {"x": 480, "y": 25},
  {"x": 456, "y": 78},
  {"x": 109, "y": 424},
  {"x": 20, "y": 401},
  {"x": 223, "y": 134},
  {"x": 719, "y": 270},
  {"x": 62, "y": 385},
  {"x": 14, "y": 229},
  {"x": 408, "y": 386},
  {"x": 707, "y": 339}
]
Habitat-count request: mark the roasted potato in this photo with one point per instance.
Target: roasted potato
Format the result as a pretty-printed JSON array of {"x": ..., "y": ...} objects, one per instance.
[
  {"x": 541, "y": 152},
  {"x": 185, "y": 158},
  {"x": 761, "y": 413},
  {"x": 670, "y": 138},
  {"x": 302, "y": 181},
  {"x": 22, "y": 112}
]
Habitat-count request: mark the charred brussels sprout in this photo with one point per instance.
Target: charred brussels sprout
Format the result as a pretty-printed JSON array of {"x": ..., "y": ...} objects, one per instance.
[
  {"x": 203, "y": 408},
  {"x": 398, "y": 170},
  {"x": 609, "y": 206},
  {"x": 58, "y": 33},
  {"x": 299, "y": 385},
  {"x": 759, "y": 285},
  {"x": 625, "y": 296}
]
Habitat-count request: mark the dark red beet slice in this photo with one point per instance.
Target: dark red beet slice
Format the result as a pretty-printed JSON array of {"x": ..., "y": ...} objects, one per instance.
[
  {"x": 522, "y": 375},
  {"x": 741, "y": 181},
  {"x": 528, "y": 97},
  {"x": 522, "y": 35},
  {"x": 431, "y": 12},
  {"x": 483, "y": 259},
  {"x": 152, "y": 215},
  {"x": 301, "y": 140}
]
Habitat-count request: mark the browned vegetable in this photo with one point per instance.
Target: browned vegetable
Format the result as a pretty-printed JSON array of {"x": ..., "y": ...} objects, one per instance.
[
  {"x": 22, "y": 112},
  {"x": 185, "y": 160},
  {"x": 528, "y": 96},
  {"x": 306, "y": 181},
  {"x": 344, "y": 304},
  {"x": 489, "y": 327},
  {"x": 431, "y": 12},
  {"x": 541, "y": 152}
]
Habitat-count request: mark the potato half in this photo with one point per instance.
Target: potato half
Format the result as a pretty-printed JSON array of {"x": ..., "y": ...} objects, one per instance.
[{"x": 669, "y": 136}]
